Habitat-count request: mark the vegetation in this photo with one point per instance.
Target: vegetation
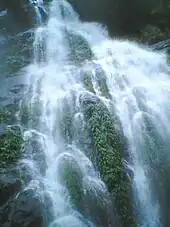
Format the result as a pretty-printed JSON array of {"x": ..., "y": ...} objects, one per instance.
[
  {"x": 109, "y": 146},
  {"x": 10, "y": 147}
]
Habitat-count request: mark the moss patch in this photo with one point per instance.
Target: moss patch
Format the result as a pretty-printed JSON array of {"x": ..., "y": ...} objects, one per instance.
[
  {"x": 109, "y": 146},
  {"x": 10, "y": 147},
  {"x": 88, "y": 83}
]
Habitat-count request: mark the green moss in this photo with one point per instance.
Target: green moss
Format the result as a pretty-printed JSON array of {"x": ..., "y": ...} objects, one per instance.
[
  {"x": 103, "y": 87},
  {"x": 79, "y": 48},
  {"x": 88, "y": 83},
  {"x": 100, "y": 80},
  {"x": 10, "y": 147},
  {"x": 65, "y": 117},
  {"x": 72, "y": 177},
  {"x": 109, "y": 146}
]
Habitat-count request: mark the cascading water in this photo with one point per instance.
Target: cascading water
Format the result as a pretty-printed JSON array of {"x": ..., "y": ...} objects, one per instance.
[{"x": 138, "y": 86}]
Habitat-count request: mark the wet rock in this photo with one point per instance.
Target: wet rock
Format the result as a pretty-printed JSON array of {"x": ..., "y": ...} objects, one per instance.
[
  {"x": 162, "y": 45},
  {"x": 99, "y": 205},
  {"x": 10, "y": 185},
  {"x": 27, "y": 211},
  {"x": 33, "y": 149},
  {"x": 25, "y": 13},
  {"x": 88, "y": 98},
  {"x": 21, "y": 12},
  {"x": 2, "y": 129}
]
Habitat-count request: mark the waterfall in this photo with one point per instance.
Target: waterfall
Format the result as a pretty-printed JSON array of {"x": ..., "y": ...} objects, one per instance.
[{"x": 138, "y": 86}]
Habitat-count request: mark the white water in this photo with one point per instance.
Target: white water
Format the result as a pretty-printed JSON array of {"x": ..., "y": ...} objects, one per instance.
[{"x": 138, "y": 83}]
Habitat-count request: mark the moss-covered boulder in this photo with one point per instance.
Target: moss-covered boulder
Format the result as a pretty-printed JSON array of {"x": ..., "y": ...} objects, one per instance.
[{"x": 110, "y": 146}]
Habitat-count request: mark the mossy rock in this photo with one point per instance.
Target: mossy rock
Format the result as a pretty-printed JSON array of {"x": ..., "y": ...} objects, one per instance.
[
  {"x": 109, "y": 146},
  {"x": 79, "y": 48},
  {"x": 71, "y": 176},
  {"x": 100, "y": 80},
  {"x": 10, "y": 147},
  {"x": 65, "y": 117}
]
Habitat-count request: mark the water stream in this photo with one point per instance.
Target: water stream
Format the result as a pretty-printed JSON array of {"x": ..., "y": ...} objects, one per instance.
[{"x": 138, "y": 85}]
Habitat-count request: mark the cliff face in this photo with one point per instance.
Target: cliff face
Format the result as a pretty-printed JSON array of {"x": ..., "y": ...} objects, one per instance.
[{"x": 148, "y": 20}]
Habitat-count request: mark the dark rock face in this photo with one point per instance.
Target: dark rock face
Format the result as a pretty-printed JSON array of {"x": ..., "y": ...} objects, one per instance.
[
  {"x": 27, "y": 211},
  {"x": 23, "y": 12},
  {"x": 162, "y": 45},
  {"x": 121, "y": 16},
  {"x": 9, "y": 186}
]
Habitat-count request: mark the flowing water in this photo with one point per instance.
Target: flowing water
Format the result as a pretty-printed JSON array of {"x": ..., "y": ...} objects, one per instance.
[{"x": 138, "y": 85}]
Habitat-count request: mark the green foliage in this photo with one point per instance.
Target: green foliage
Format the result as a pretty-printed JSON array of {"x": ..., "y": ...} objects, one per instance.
[
  {"x": 109, "y": 146},
  {"x": 10, "y": 147},
  {"x": 5, "y": 115}
]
